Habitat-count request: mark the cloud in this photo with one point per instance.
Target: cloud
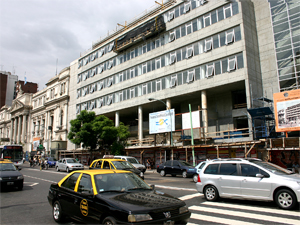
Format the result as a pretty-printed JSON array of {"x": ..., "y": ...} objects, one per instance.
[{"x": 35, "y": 33}]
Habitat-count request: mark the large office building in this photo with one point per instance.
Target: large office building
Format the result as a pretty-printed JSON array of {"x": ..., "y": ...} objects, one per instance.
[{"x": 213, "y": 58}]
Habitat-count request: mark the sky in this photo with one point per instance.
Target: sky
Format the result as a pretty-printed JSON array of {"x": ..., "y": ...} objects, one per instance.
[{"x": 39, "y": 38}]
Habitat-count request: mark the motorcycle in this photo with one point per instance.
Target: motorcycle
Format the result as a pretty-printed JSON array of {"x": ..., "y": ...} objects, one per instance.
[{"x": 44, "y": 165}]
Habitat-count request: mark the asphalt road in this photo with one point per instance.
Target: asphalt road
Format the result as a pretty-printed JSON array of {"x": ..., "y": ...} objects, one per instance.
[{"x": 30, "y": 206}]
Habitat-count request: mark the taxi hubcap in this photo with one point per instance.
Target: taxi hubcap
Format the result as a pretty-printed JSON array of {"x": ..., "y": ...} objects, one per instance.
[
  {"x": 56, "y": 211},
  {"x": 285, "y": 199}
]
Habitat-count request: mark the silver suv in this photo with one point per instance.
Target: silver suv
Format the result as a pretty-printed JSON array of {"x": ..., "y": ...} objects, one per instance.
[{"x": 249, "y": 179}]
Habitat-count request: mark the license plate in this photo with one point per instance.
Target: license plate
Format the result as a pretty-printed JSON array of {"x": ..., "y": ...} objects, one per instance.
[
  {"x": 10, "y": 183},
  {"x": 169, "y": 222}
]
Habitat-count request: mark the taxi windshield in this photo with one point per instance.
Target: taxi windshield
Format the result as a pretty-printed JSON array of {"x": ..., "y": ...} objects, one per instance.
[
  {"x": 122, "y": 165},
  {"x": 119, "y": 182},
  {"x": 7, "y": 167}
]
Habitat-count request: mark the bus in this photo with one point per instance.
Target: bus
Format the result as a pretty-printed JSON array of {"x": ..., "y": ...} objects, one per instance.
[{"x": 12, "y": 152}]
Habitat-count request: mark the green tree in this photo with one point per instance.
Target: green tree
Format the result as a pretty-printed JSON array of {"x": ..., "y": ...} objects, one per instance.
[{"x": 97, "y": 132}]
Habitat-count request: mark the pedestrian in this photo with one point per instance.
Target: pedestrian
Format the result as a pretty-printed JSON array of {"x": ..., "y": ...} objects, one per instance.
[{"x": 148, "y": 164}]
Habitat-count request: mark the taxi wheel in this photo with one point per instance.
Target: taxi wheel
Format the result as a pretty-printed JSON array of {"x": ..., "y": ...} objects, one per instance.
[
  {"x": 162, "y": 173},
  {"x": 57, "y": 212},
  {"x": 109, "y": 221}
]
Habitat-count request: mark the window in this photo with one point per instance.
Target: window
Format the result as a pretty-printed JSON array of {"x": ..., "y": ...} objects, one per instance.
[
  {"x": 132, "y": 93},
  {"x": 109, "y": 81},
  {"x": 94, "y": 56},
  {"x": 207, "y": 20},
  {"x": 100, "y": 69},
  {"x": 251, "y": 171},
  {"x": 228, "y": 11},
  {"x": 189, "y": 28},
  {"x": 92, "y": 105},
  {"x": 77, "y": 109},
  {"x": 100, "y": 85},
  {"x": 71, "y": 181},
  {"x": 84, "y": 91},
  {"x": 101, "y": 52},
  {"x": 84, "y": 106},
  {"x": 158, "y": 63},
  {"x": 158, "y": 85},
  {"x": 92, "y": 88},
  {"x": 171, "y": 15},
  {"x": 144, "y": 89},
  {"x": 212, "y": 169},
  {"x": 178, "y": 32},
  {"x": 229, "y": 37},
  {"x": 208, "y": 44},
  {"x": 78, "y": 93},
  {"x": 172, "y": 58},
  {"x": 209, "y": 70},
  {"x": 85, "y": 75},
  {"x": 111, "y": 46},
  {"x": 109, "y": 99},
  {"x": 190, "y": 76},
  {"x": 228, "y": 169},
  {"x": 132, "y": 73},
  {"x": 80, "y": 64},
  {"x": 172, "y": 36},
  {"x": 144, "y": 68},
  {"x": 187, "y": 7},
  {"x": 86, "y": 60},
  {"x": 78, "y": 78},
  {"x": 231, "y": 64},
  {"x": 189, "y": 52},
  {"x": 173, "y": 82},
  {"x": 110, "y": 64}
]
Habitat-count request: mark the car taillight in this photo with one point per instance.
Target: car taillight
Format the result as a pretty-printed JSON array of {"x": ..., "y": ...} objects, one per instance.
[{"x": 199, "y": 180}]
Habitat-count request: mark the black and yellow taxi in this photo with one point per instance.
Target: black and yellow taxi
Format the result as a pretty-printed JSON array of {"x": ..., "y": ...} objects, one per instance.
[
  {"x": 109, "y": 162},
  {"x": 9, "y": 175},
  {"x": 113, "y": 197}
]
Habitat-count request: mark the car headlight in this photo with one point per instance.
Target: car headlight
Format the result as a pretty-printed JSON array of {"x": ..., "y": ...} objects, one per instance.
[
  {"x": 141, "y": 174},
  {"x": 20, "y": 177},
  {"x": 183, "y": 209},
  {"x": 139, "y": 217}
]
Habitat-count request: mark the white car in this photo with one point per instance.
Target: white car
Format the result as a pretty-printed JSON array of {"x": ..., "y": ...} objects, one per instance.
[
  {"x": 133, "y": 161},
  {"x": 68, "y": 164},
  {"x": 249, "y": 179}
]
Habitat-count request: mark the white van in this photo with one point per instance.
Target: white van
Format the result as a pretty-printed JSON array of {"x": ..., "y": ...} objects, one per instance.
[{"x": 133, "y": 161}]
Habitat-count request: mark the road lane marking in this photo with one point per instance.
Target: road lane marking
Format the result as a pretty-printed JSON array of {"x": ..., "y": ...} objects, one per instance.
[
  {"x": 255, "y": 208},
  {"x": 175, "y": 188},
  {"x": 31, "y": 184},
  {"x": 219, "y": 220},
  {"x": 245, "y": 215},
  {"x": 187, "y": 197},
  {"x": 40, "y": 179},
  {"x": 48, "y": 171}
]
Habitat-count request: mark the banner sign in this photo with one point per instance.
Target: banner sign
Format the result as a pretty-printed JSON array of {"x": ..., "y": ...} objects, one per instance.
[
  {"x": 186, "y": 120},
  {"x": 162, "y": 121},
  {"x": 36, "y": 143},
  {"x": 287, "y": 110}
]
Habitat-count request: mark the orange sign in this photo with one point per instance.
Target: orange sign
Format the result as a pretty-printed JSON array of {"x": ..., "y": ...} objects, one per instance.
[{"x": 287, "y": 110}]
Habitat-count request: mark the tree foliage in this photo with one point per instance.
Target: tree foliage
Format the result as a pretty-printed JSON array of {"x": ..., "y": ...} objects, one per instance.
[{"x": 97, "y": 132}]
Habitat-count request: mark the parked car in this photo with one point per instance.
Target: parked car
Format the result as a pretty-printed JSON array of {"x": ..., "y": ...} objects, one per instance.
[
  {"x": 115, "y": 164},
  {"x": 249, "y": 179},
  {"x": 68, "y": 164},
  {"x": 10, "y": 175},
  {"x": 133, "y": 161},
  {"x": 176, "y": 167},
  {"x": 198, "y": 168},
  {"x": 51, "y": 161},
  {"x": 113, "y": 197}
]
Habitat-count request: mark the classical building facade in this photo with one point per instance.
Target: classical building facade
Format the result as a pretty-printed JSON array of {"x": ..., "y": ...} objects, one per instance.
[{"x": 38, "y": 119}]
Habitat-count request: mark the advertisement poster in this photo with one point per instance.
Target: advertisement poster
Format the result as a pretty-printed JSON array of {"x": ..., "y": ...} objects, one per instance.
[
  {"x": 186, "y": 120},
  {"x": 161, "y": 122},
  {"x": 287, "y": 110},
  {"x": 36, "y": 142}
]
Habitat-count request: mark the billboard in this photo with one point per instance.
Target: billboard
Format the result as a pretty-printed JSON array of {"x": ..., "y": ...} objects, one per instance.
[
  {"x": 36, "y": 143},
  {"x": 186, "y": 120},
  {"x": 162, "y": 121},
  {"x": 287, "y": 110}
]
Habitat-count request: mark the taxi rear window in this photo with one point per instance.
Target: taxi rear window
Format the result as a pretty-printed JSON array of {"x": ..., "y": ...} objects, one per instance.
[{"x": 70, "y": 182}]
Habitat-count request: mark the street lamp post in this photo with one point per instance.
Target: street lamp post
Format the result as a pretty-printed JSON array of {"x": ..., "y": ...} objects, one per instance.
[{"x": 152, "y": 99}]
